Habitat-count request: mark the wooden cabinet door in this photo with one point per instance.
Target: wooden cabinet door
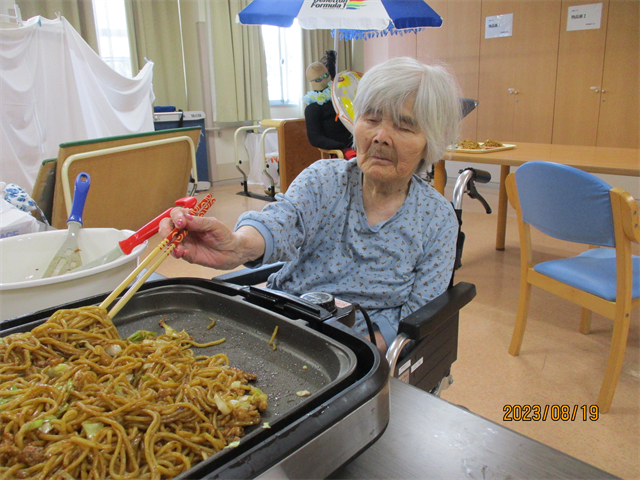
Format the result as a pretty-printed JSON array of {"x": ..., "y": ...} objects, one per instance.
[
  {"x": 536, "y": 56},
  {"x": 518, "y": 73},
  {"x": 497, "y": 76},
  {"x": 619, "y": 119},
  {"x": 579, "y": 80},
  {"x": 456, "y": 43}
]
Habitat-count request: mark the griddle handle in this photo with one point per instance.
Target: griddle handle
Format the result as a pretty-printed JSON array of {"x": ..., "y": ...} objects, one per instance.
[
  {"x": 250, "y": 276},
  {"x": 438, "y": 311},
  {"x": 287, "y": 304}
]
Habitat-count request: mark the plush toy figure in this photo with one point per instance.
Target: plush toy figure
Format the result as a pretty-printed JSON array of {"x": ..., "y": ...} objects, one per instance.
[{"x": 324, "y": 128}]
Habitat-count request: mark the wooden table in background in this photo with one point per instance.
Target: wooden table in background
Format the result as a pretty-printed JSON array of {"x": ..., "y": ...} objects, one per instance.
[{"x": 605, "y": 160}]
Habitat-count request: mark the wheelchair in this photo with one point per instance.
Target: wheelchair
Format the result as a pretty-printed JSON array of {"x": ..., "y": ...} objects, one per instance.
[{"x": 427, "y": 342}]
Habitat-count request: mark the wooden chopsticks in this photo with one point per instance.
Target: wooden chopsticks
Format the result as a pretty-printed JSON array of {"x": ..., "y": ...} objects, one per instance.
[{"x": 162, "y": 251}]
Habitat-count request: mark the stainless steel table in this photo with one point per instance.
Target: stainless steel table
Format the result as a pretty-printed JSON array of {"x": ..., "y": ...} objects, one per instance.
[{"x": 428, "y": 437}]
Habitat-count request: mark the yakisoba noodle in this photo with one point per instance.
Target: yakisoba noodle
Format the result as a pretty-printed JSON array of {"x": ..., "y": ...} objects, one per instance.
[
  {"x": 469, "y": 144},
  {"x": 77, "y": 401}
]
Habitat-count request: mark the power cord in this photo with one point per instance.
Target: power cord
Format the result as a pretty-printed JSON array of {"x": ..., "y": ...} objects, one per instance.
[{"x": 372, "y": 334}]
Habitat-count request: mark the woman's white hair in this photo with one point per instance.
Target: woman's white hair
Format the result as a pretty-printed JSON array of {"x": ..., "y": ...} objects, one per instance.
[{"x": 437, "y": 109}]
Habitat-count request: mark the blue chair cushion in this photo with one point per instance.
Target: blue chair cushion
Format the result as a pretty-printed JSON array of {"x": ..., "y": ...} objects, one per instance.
[{"x": 593, "y": 271}]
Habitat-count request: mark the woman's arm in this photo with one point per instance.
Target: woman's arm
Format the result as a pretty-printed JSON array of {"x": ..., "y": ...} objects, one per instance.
[
  {"x": 288, "y": 224},
  {"x": 433, "y": 274},
  {"x": 211, "y": 243}
]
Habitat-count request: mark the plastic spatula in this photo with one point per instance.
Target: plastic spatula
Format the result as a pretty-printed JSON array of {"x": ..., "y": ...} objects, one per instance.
[
  {"x": 126, "y": 246},
  {"x": 68, "y": 256}
]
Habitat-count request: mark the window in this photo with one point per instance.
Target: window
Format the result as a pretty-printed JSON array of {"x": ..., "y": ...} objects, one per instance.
[
  {"x": 283, "y": 49},
  {"x": 113, "y": 37}
]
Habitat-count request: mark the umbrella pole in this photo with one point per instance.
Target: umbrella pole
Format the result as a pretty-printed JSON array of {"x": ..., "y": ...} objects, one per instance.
[{"x": 335, "y": 45}]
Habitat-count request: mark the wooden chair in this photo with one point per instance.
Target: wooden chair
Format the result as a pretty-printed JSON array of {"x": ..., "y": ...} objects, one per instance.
[
  {"x": 575, "y": 206},
  {"x": 133, "y": 177},
  {"x": 295, "y": 153},
  {"x": 328, "y": 153}
]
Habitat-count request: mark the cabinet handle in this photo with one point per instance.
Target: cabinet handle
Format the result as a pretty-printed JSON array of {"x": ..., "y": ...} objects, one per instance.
[
  {"x": 512, "y": 91},
  {"x": 595, "y": 89},
  {"x": 601, "y": 91}
]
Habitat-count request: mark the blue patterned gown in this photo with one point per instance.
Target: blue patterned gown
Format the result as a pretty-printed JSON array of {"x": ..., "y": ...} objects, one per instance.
[{"x": 320, "y": 229}]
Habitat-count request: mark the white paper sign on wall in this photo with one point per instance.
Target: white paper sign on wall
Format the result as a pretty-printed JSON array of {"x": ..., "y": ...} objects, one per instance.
[
  {"x": 584, "y": 17},
  {"x": 499, "y": 26}
]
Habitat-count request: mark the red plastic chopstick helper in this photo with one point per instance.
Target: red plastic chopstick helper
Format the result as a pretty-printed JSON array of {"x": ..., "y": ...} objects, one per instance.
[
  {"x": 177, "y": 235},
  {"x": 162, "y": 251},
  {"x": 150, "y": 229}
]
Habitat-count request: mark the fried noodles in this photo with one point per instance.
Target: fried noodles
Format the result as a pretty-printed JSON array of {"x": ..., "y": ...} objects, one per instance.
[
  {"x": 469, "y": 144},
  {"x": 77, "y": 401}
]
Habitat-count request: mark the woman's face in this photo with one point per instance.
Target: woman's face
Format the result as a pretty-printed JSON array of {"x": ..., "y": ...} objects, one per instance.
[{"x": 389, "y": 152}]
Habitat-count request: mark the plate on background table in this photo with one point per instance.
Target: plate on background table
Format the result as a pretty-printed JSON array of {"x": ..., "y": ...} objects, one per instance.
[{"x": 505, "y": 146}]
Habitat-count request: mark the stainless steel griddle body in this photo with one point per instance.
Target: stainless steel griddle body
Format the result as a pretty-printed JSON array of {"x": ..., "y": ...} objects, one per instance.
[{"x": 308, "y": 437}]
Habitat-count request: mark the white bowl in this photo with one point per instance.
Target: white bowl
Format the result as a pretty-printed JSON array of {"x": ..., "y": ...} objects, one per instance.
[{"x": 24, "y": 258}]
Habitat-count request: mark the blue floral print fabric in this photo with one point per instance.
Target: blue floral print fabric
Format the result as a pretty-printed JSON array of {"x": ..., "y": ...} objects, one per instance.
[
  {"x": 319, "y": 227},
  {"x": 16, "y": 196}
]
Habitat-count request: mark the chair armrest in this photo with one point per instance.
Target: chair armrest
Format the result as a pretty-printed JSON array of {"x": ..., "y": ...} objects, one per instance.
[
  {"x": 250, "y": 276},
  {"x": 512, "y": 191},
  {"x": 429, "y": 318},
  {"x": 629, "y": 214}
]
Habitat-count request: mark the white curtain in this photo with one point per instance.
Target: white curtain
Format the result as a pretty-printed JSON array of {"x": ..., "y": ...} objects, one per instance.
[
  {"x": 239, "y": 64},
  {"x": 155, "y": 34},
  {"x": 54, "y": 89}
]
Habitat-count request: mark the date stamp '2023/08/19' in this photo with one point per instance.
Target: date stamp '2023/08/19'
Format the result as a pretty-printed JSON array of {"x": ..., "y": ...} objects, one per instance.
[{"x": 555, "y": 413}]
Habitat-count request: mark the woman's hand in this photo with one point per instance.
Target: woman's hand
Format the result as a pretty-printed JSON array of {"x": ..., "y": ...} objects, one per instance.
[{"x": 211, "y": 243}]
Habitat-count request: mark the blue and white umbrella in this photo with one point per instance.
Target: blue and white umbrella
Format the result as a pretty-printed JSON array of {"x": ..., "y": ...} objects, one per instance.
[{"x": 352, "y": 18}]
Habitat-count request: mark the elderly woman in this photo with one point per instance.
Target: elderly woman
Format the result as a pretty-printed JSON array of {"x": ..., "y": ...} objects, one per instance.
[{"x": 368, "y": 230}]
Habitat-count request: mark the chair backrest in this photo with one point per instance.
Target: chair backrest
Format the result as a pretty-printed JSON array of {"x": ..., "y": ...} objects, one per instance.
[
  {"x": 566, "y": 203},
  {"x": 44, "y": 187},
  {"x": 294, "y": 150},
  {"x": 127, "y": 188}
]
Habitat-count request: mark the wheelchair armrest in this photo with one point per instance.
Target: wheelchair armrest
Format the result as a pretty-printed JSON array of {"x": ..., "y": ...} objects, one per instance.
[
  {"x": 250, "y": 276},
  {"x": 429, "y": 318}
]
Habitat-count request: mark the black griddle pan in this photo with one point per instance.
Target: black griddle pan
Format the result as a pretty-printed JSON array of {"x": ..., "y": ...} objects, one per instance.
[{"x": 304, "y": 359}]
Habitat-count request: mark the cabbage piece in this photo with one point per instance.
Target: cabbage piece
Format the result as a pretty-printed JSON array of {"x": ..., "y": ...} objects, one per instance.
[
  {"x": 224, "y": 408},
  {"x": 4, "y": 400},
  {"x": 167, "y": 329},
  {"x": 57, "y": 370},
  {"x": 34, "y": 424},
  {"x": 258, "y": 396},
  {"x": 92, "y": 428},
  {"x": 46, "y": 425},
  {"x": 113, "y": 349},
  {"x": 141, "y": 335}
]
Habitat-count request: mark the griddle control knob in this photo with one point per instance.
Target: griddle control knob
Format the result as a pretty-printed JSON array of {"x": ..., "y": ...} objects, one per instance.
[{"x": 322, "y": 299}]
